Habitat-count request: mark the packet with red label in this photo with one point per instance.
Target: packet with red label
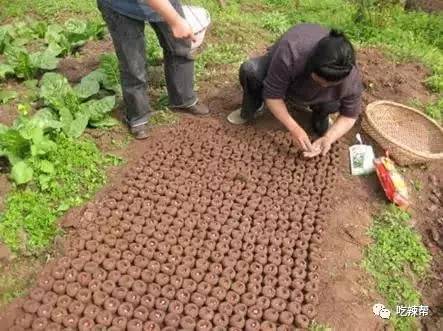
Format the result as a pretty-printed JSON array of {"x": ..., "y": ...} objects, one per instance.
[{"x": 392, "y": 182}]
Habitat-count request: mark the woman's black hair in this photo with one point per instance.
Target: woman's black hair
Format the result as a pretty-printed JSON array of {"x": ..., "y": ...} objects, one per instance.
[{"x": 333, "y": 57}]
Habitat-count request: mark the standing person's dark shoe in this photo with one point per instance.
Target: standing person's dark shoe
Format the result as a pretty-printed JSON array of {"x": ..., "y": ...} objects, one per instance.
[
  {"x": 197, "y": 109},
  {"x": 139, "y": 132}
]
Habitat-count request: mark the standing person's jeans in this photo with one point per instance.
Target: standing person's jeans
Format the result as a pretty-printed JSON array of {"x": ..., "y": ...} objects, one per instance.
[
  {"x": 252, "y": 75},
  {"x": 128, "y": 36}
]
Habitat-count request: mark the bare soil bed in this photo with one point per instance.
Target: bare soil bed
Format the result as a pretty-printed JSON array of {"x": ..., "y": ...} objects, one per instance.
[{"x": 214, "y": 226}]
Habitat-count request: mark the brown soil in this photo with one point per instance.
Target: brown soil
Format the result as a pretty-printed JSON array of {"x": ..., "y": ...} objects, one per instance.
[
  {"x": 388, "y": 80},
  {"x": 430, "y": 6},
  {"x": 87, "y": 60},
  {"x": 197, "y": 167}
]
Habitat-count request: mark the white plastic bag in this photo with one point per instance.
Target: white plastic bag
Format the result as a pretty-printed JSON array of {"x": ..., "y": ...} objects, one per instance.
[{"x": 362, "y": 158}]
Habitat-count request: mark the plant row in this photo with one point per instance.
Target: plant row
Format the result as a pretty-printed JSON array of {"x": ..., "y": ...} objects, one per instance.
[{"x": 30, "y": 48}]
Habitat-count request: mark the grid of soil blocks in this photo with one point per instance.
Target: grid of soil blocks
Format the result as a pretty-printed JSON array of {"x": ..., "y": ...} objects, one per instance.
[{"x": 217, "y": 228}]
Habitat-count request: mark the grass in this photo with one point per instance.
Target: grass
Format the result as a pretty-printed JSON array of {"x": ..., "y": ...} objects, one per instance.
[
  {"x": 397, "y": 259},
  {"x": 319, "y": 327},
  {"x": 28, "y": 224},
  {"x": 48, "y": 9},
  {"x": 433, "y": 109},
  {"x": 17, "y": 278},
  {"x": 163, "y": 117}
]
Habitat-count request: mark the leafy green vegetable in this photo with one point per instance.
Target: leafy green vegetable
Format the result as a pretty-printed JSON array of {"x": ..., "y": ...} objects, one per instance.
[
  {"x": 26, "y": 65},
  {"x": 45, "y": 119},
  {"x": 97, "y": 109},
  {"x": 64, "y": 178},
  {"x": 77, "y": 126},
  {"x": 73, "y": 34},
  {"x": 107, "y": 75},
  {"x": 13, "y": 145},
  {"x": 21, "y": 172},
  {"x": 5, "y": 37},
  {"x": 109, "y": 66},
  {"x": 5, "y": 69},
  {"x": 87, "y": 88},
  {"x": 106, "y": 122},
  {"x": 67, "y": 102},
  {"x": 6, "y": 96}
]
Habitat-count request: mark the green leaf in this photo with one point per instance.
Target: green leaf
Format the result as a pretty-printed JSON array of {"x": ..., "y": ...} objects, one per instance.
[
  {"x": 97, "y": 75},
  {"x": 56, "y": 39},
  {"x": 45, "y": 119},
  {"x": 31, "y": 83},
  {"x": 5, "y": 37},
  {"x": 21, "y": 172},
  {"x": 20, "y": 60},
  {"x": 97, "y": 109},
  {"x": 78, "y": 125},
  {"x": 87, "y": 88},
  {"x": 46, "y": 167},
  {"x": 44, "y": 181},
  {"x": 42, "y": 146},
  {"x": 76, "y": 33},
  {"x": 46, "y": 60},
  {"x": 95, "y": 30},
  {"x": 54, "y": 87},
  {"x": 5, "y": 69},
  {"x": 75, "y": 26},
  {"x": 53, "y": 34},
  {"x": 109, "y": 66},
  {"x": 23, "y": 30},
  {"x": 13, "y": 145},
  {"x": 39, "y": 28},
  {"x": 6, "y": 96},
  {"x": 66, "y": 119},
  {"x": 106, "y": 122},
  {"x": 55, "y": 49}
]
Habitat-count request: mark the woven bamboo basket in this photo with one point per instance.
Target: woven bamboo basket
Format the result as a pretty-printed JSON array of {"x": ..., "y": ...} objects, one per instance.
[{"x": 407, "y": 134}]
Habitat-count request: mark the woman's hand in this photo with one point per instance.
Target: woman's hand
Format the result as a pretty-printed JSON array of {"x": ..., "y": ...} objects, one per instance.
[
  {"x": 302, "y": 140},
  {"x": 320, "y": 146}
]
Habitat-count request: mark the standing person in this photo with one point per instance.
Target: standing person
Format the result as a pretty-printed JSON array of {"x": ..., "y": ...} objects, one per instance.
[
  {"x": 315, "y": 67},
  {"x": 126, "y": 23}
]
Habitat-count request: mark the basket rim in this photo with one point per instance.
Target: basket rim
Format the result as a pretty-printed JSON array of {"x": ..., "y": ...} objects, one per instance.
[{"x": 373, "y": 106}]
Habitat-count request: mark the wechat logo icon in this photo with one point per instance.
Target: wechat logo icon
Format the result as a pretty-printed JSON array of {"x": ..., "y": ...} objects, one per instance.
[{"x": 379, "y": 310}]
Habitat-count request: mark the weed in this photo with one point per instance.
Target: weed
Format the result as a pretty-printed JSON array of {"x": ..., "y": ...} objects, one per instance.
[
  {"x": 432, "y": 109},
  {"x": 48, "y": 8},
  {"x": 6, "y": 96},
  {"x": 16, "y": 278},
  {"x": 277, "y": 23},
  {"x": 435, "y": 110},
  {"x": 163, "y": 117},
  {"x": 318, "y": 327},
  {"x": 396, "y": 259},
  {"x": 154, "y": 52},
  {"x": 215, "y": 55},
  {"x": 417, "y": 185}
]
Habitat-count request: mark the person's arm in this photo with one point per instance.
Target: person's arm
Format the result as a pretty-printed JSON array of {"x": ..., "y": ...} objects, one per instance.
[
  {"x": 340, "y": 127},
  {"x": 180, "y": 28},
  {"x": 280, "y": 111}
]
